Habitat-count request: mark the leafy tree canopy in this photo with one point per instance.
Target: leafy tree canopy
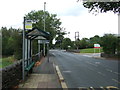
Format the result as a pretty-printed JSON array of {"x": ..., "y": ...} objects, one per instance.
[
  {"x": 103, "y": 6},
  {"x": 11, "y": 42},
  {"x": 52, "y": 23},
  {"x": 109, "y": 43},
  {"x": 66, "y": 43}
]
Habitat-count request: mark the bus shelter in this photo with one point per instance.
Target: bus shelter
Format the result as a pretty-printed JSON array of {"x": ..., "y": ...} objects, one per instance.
[{"x": 29, "y": 36}]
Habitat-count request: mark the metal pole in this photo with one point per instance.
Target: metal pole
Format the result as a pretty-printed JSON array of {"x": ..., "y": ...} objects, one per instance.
[
  {"x": 29, "y": 51},
  {"x": 94, "y": 52},
  {"x": 44, "y": 25},
  {"x": 99, "y": 52},
  {"x": 26, "y": 51},
  {"x": 44, "y": 14},
  {"x": 39, "y": 49},
  {"x": 48, "y": 51},
  {"x": 23, "y": 68}
]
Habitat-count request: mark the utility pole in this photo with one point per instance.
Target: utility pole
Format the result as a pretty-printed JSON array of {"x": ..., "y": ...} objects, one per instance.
[
  {"x": 44, "y": 24},
  {"x": 76, "y": 37}
]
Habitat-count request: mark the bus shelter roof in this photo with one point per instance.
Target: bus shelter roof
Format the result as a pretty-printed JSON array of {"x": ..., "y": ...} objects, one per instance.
[{"x": 38, "y": 34}]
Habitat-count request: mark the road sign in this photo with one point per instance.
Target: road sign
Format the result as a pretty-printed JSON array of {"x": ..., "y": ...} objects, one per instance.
[
  {"x": 28, "y": 24},
  {"x": 96, "y": 45}
]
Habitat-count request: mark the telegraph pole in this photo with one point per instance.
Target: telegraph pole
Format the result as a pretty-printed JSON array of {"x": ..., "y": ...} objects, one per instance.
[
  {"x": 44, "y": 24},
  {"x": 76, "y": 37}
]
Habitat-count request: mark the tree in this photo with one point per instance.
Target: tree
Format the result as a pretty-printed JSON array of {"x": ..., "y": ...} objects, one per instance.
[
  {"x": 11, "y": 42},
  {"x": 94, "y": 40},
  {"x": 118, "y": 46},
  {"x": 60, "y": 36},
  {"x": 109, "y": 43},
  {"x": 52, "y": 23},
  {"x": 103, "y": 6},
  {"x": 84, "y": 43},
  {"x": 17, "y": 37},
  {"x": 67, "y": 43}
]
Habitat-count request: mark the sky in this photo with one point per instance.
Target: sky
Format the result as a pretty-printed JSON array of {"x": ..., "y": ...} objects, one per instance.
[{"x": 73, "y": 15}]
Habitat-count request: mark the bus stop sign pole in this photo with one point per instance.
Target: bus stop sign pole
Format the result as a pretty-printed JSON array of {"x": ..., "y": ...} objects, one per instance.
[{"x": 23, "y": 68}]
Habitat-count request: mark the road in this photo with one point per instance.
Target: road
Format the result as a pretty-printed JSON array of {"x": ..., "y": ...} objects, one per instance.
[{"x": 84, "y": 71}]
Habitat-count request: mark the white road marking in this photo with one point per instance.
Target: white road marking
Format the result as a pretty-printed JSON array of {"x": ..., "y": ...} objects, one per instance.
[
  {"x": 91, "y": 69},
  {"x": 53, "y": 53},
  {"x": 101, "y": 73},
  {"x": 87, "y": 55},
  {"x": 92, "y": 64},
  {"x": 117, "y": 73},
  {"x": 113, "y": 72},
  {"x": 109, "y": 70},
  {"x": 66, "y": 71},
  {"x": 97, "y": 62},
  {"x": 116, "y": 81},
  {"x": 63, "y": 84}
]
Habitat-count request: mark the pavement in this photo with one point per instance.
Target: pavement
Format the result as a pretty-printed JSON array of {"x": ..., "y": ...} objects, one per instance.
[{"x": 43, "y": 76}]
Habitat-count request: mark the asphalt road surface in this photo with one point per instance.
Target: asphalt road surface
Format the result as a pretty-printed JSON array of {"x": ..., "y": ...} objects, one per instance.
[{"x": 84, "y": 71}]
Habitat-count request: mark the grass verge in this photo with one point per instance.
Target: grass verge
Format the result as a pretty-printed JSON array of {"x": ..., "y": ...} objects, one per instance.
[
  {"x": 6, "y": 61},
  {"x": 91, "y": 50}
]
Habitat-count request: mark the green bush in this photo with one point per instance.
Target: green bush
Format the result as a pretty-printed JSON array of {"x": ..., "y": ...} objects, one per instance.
[{"x": 109, "y": 42}]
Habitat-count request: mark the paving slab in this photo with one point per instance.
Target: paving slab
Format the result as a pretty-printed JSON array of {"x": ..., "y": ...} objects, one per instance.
[{"x": 43, "y": 76}]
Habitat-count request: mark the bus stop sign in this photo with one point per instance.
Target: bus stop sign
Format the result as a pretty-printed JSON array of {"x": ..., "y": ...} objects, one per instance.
[{"x": 28, "y": 24}]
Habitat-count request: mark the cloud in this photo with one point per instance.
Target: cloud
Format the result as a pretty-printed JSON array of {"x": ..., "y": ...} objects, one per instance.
[
  {"x": 89, "y": 25},
  {"x": 75, "y": 11},
  {"x": 73, "y": 15}
]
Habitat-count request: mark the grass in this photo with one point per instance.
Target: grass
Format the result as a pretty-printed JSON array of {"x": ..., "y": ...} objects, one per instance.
[
  {"x": 6, "y": 61},
  {"x": 91, "y": 50}
]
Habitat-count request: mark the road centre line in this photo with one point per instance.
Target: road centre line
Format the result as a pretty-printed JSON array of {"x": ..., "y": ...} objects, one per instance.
[
  {"x": 113, "y": 72},
  {"x": 109, "y": 70},
  {"x": 98, "y": 72},
  {"x": 117, "y": 73},
  {"x": 91, "y": 69},
  {"x": 91, "y": 63},
  {"x": 66, "y": 71},
  {"x": 101, "y": 73},
  {"x": 116, "y": 81}
]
